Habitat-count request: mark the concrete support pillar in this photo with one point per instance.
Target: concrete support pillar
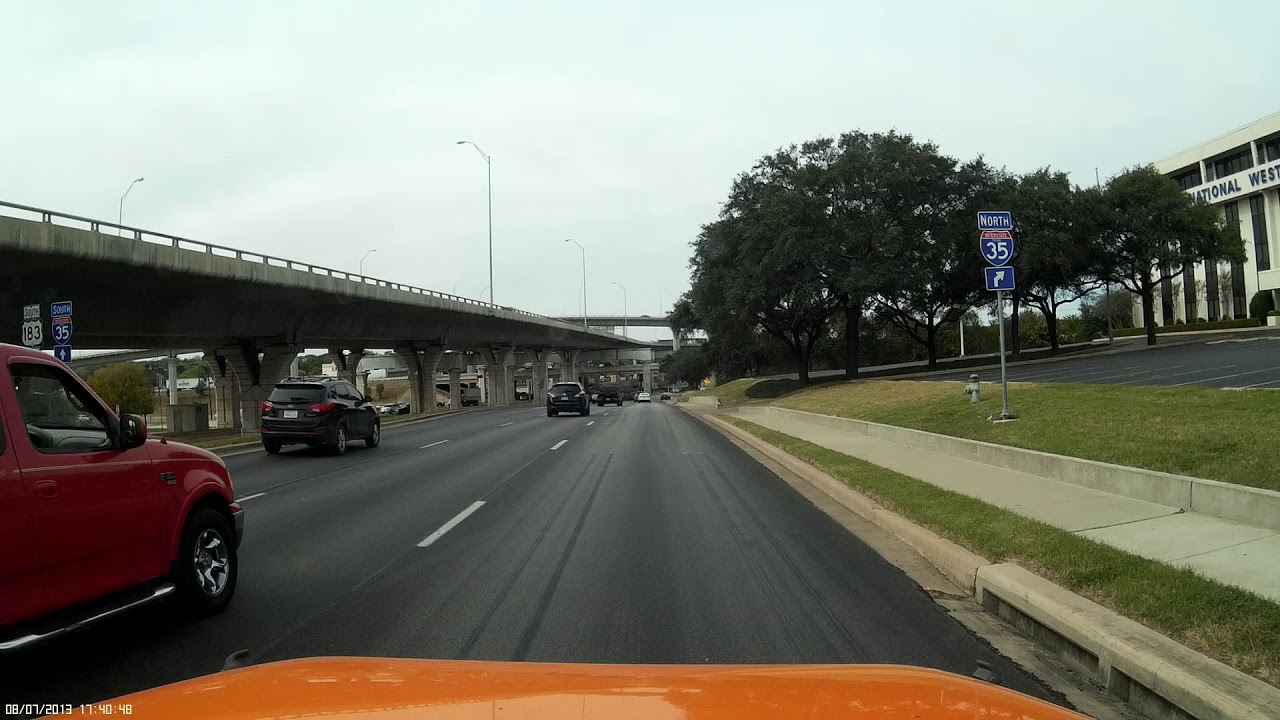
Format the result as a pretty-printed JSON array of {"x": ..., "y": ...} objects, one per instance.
[
  {"x": 348, "y": 366},
  {"x": 569, "y": 365},
  {"x": 455, "y": 389},
  {"x": 294, "y": 367},
  {"x": 647, "y": 377},
  {"x": 498, "y": 376},
  {"x": 421, "y": 364},
  {"x": 675, "y": 340},
  {"x": 173, "y": 380},
  {"x": 538, "y": 386},
  {"x": 253, "y": 372}
]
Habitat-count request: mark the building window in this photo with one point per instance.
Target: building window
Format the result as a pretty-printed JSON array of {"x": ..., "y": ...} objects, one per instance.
[
  {"x": 1166, "y": 300},
  {"x": 1261, "y": 248},
  {"x": 1211, "y": 288},
  {"x": 1233, "y": 163},
  {"x": 1189, "y": 300},
  {"x": 1239, "y": 303},
  {"x": 1189, "y": 179},
  {"x": 1271, "y": 150}
]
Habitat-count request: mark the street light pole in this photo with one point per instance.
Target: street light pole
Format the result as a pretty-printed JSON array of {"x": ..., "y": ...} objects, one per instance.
[
  {"x": 488, "y": 161},
  {"x": 120, "y": 220},
  {"x": 362, "y": 257},
  {"x": 624, "y": 309},
  {"x": 584, "y": 280}
]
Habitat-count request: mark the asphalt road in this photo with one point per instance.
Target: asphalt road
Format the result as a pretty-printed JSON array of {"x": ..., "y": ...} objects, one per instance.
[
  {"x": 1243, "y": 360},
  {"x": 634, "y": 535}
]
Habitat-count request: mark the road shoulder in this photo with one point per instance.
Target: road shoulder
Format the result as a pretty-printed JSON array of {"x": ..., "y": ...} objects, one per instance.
[{"x": 1195, "y": 685}]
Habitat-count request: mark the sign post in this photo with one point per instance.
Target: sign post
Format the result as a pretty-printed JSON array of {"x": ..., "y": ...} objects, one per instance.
[{"x": 996, "y": 243}]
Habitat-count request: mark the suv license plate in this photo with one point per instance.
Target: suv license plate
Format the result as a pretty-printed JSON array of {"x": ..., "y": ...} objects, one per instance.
[{"x": 290, "y": 414}]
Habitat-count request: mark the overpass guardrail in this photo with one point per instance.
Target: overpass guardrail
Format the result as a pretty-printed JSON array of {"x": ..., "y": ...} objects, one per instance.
[{"x": 159, "y": 238}]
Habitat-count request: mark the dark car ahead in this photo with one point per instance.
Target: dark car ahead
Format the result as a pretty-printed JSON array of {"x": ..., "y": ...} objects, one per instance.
[
  {"x": 318, "y": 411},
  {"x": 609, "y": 394},
  {"x": 568, "y": 397}
]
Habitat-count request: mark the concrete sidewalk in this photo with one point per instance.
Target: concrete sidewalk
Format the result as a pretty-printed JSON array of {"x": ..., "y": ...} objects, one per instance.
[{"x": 1231, "y": 553}]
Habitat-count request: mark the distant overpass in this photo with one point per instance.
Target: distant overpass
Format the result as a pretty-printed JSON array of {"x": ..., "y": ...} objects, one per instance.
[
  {"x": 620, "y": 320},
  {"x": 249, "y": 312}
]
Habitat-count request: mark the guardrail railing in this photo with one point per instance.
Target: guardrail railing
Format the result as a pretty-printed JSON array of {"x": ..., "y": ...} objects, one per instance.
[{"x": 182, "y": 243}]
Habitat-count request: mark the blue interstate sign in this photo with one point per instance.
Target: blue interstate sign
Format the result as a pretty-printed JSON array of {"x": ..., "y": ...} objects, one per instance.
[
  {"x": 995, "y": 220},
  {"x": 996, "y": 246},
  {"x": 61, "y": 327},
  {"x": 60, "y": 309},
  {"x": 1000, "y": 278}
]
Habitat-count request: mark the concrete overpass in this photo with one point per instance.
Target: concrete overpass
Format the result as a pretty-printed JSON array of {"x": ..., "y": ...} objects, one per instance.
[{"x": 250, "y": 312}]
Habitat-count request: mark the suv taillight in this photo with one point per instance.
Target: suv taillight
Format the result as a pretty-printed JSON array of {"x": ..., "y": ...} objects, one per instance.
[
  {"x": 266, "y": 407},
  {"x": 322, "y": 408}
]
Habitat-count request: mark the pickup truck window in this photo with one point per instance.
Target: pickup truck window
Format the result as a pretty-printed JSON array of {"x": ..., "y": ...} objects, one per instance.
[{"x": 60, "y": 415}]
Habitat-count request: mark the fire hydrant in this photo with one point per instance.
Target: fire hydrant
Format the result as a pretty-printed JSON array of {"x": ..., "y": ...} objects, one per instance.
[{"x": 974, "y": 389}]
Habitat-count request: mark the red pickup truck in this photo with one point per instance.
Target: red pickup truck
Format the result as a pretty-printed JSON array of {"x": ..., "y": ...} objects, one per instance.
[{"x": 95, "y": 518}]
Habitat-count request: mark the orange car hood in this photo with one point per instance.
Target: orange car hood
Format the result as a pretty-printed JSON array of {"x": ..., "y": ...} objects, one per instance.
[{"x": 450, "y": 689}]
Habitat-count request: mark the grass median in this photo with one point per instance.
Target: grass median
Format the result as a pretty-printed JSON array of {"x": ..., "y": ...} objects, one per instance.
[
  {"x": 1201, "y": 432},
  {"x": 1234, "y": 626}
]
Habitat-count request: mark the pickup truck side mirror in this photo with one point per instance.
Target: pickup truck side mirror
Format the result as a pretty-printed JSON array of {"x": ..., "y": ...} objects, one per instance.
[{"x": 133, "y": 431}]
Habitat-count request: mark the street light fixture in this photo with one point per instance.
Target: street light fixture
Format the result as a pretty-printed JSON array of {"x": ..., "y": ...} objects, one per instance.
[
  {"x": 624, "y": 309},
  {"x": 120, "y": 220},
  {"x": 488, "y": 161},
  {"x": 584, "y": 280},
  {"x": 362, "y": 257}
]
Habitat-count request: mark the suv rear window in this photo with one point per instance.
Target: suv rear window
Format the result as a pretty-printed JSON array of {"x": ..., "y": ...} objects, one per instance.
[
  {"x": 565, "y": 387},
  {"x": 297, "y": 393}
]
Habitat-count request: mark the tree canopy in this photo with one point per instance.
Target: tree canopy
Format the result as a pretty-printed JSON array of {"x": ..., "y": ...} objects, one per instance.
[
  {"x": 820, "y": 239},
  {"x": 125, "y": 386}
]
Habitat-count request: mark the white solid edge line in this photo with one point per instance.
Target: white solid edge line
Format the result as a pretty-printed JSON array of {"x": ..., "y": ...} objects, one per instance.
[
  {"x": 438, "y": 442},
  {"x": 507, "y": 423},
  {"x": 558, "y": 445},
  {"x": 451, "y": 524},
  {"x": 250, "y": 497},
  {"x": 593, "y": 422}
]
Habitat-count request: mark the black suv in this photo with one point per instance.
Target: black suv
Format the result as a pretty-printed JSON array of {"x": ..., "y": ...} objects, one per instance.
[
  {"x": 568, "y": 397},
  {"x": 608, "y": 394},
  {"x": 318, "y": 411}
]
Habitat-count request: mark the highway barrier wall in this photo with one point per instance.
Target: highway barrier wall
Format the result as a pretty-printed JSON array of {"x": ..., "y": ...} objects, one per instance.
[{"x": 1238, "y": 503}]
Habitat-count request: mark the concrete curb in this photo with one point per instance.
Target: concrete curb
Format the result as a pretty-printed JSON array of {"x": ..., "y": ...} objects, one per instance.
[
  {"x": 256, "y": 445},
  {"x": 1147, "y": 669},
  {"x": 704, "y": 401},
  {"x": 957, "y": 563},
  {"x": 1152, "y": 673},
  {"x": 1238, "y": 503}
]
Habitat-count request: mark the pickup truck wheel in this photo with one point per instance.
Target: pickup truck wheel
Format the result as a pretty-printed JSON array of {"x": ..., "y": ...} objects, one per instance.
[
  {"x": 339, "y": 444},
  {"x": 207, "y": 562},
  {"x": 272, "y": 448},
  {"x": 375, "y": 435}
]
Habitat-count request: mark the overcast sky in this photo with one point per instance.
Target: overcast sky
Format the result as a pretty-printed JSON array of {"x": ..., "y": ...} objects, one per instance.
[{"x": 317, "y": 131}]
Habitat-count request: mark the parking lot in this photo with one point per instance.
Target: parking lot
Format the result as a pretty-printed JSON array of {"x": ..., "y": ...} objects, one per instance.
[{"x": 1244, "y": 360}]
